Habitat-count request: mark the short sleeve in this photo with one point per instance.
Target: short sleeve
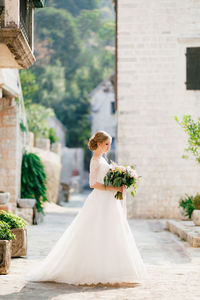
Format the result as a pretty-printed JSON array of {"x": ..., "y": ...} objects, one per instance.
[{"x": 94, "y": 168}]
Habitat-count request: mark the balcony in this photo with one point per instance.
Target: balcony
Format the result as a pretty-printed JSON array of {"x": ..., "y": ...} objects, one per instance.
[
  {"x": 16, "y": 33},
  {"x": 9, "y": 83}
]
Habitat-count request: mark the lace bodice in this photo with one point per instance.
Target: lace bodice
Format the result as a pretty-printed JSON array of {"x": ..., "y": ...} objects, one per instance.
[{"x": 98, "y": 169}]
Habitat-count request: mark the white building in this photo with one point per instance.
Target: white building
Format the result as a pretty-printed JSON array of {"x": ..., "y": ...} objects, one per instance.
[
  {"x": 103, "y": 116},
  {"x": 59, "y": 128},
  {"x": 158, "y": 78}
]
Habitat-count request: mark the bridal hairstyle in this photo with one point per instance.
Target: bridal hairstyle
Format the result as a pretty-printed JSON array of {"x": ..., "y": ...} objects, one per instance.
[{"x": 98, "y": 137}]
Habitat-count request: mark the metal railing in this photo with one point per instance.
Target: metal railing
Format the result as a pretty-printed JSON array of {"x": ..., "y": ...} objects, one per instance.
[{"x": 25, "y": 19}]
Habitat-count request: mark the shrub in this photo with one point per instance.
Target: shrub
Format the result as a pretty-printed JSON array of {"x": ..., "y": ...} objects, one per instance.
[
  {"x": 196, "y": 202},
  {"x": 12, "y": 220},
  {"x": 192, "y": 129},
  {"x": 5, "y": 233},
  {"x": 187, "y": 205},
  {"x": 52, "y": 136},
  {"x": 33, "y": 180}
]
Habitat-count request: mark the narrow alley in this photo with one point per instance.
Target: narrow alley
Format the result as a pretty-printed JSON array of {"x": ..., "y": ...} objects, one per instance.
[{"x": 173, "y": 266}]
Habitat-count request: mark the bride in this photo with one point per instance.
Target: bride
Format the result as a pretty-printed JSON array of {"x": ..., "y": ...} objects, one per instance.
[{"x": 98, "y": 247}]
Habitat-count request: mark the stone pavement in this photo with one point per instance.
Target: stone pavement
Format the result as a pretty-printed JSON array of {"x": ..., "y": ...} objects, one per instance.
[{"x": 173, "y": 266}]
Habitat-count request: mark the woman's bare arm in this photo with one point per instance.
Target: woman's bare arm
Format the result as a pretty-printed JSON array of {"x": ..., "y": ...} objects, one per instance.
[{"x": 101, "y": 186}]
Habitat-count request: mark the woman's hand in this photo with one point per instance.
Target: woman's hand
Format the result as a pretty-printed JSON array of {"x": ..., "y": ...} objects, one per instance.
[{"x": 120, "y": 189}]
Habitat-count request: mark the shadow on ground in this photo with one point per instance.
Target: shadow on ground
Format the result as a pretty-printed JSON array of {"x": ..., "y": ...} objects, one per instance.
[{"x": 53, "y": 290}]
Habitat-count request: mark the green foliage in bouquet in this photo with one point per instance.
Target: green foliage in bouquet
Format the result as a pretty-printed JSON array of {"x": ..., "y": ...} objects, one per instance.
[
  {"x": 187, "y": 204},
  {"x": 12, "y": 220},
  {"x": 33, "y": 180},
  {"x": 118, "y": 176},
  {"x": 5, "y": 233}
]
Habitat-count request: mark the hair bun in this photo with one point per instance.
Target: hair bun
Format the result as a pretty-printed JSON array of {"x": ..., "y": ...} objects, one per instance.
[
  {"x": 92, "y": 144},
  {"x": 98, "y": 137}
]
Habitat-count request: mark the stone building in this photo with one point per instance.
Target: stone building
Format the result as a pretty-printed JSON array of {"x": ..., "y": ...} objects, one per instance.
[
  {"x": 59, "y": 128},
  {"x": 11, "y": 137},
  {"x": 16, "y": 33},
  {"x": 158, "y": 54},
  {"x": 103, "y": 116},
  {"x": 16, "y": 51}
]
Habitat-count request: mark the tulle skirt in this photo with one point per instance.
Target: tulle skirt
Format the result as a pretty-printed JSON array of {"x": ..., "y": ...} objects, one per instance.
[{"x": 97, "y": 247}]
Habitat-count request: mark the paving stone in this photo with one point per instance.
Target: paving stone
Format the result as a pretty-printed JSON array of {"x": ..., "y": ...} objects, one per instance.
[{"x": 173, "y": 265}]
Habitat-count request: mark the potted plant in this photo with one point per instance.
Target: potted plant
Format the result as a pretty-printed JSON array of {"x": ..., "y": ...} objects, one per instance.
[
  {"x": 18, "y": 228},
  {"x": 33, "y": 184},
  {"x": 196, "y": 211},
  {"x": 6, "y": 238},
  {"x": 4, "y": 197},
  {"x": 186, "y": 205}
]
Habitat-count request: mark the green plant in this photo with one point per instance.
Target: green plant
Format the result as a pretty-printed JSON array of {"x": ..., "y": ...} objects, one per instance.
[
  {"x": 12, "y": 220},
  {"x": 196, "y": 202},
  {"x": 5, "y": 233},
  {"x": 192, "y": 129},
  {"x": 33, "y": 180},
  {"x": 52, "y": 136},
  {"x": 187, "y": 205},
  {"x": 37, "y": 116},
  {"x": 22, "y": 126}
]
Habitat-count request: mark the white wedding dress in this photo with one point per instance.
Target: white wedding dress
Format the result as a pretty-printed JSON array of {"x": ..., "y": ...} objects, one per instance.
[{"x": 98, "y": 246}]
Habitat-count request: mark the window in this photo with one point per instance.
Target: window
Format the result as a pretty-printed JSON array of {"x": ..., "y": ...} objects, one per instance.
[
  {"x": 112, "y": 107},
  {"x": 193, "y": 68},
  {"x": 113, "y": 145}
]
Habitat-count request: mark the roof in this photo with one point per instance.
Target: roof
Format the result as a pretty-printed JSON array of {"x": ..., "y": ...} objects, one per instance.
[{"x": 100, "y": 85}]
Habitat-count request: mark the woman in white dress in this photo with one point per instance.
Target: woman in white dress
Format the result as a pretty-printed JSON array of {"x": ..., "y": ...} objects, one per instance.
[{"x": 98, "y": 247}]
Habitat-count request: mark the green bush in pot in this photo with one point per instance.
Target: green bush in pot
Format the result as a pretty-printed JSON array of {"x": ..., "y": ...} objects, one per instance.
[
  {"x": 196, "y": 202},
  {"x": 33, "y": 180},
  {"x": 187, "y": 204},
  {"x": 12, "y": 220},
  {"x": 6, "y": 238},
  {"x": 17, "y": 226},
  {"x": 5, "y": 232},
  {"x": 196, "y": 211}
]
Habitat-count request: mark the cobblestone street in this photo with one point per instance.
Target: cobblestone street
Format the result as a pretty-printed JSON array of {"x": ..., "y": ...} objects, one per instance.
[{"x": 173, "y": 266}]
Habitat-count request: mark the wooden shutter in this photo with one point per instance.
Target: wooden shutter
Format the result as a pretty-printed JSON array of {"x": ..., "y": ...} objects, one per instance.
[{"x": 193, "y": 68}]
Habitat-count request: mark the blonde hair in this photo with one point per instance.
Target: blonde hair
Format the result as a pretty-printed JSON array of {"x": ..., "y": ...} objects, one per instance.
[{"x": 98, "y": 137}]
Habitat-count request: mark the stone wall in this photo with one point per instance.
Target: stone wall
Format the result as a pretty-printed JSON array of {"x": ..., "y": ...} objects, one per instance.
[
  {"x": 52, "y": 164},
  {"x": 11, "y": 141},
  {"x": 152, "y": 41},
  {"x": 72, "y": 161}
]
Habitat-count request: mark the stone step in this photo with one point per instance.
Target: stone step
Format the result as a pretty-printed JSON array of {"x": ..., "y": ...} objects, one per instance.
[{"x": 186, "y": 230}]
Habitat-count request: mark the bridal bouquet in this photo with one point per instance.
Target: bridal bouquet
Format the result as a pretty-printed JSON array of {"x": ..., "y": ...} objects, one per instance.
[{"x": 122, "y": 175}]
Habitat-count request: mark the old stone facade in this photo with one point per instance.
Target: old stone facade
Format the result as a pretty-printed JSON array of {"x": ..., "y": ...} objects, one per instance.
[
  {"x": 152, "y": 38},
  {"x": 11, "y": 137},
  {"x": 16, "y": 33},
  {"x": 16, "y": 51}
]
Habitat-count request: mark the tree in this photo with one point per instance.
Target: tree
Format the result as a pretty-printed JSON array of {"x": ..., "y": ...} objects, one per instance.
[
  {"x": 29, "y": 85},
  {"x": 72, "y": 59},
  {"x": 37, "y": 116},
  {"x": 59, "y": 29},
  {"x": 75, "y": 6},
  {"x": 192, "y": 129}
]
